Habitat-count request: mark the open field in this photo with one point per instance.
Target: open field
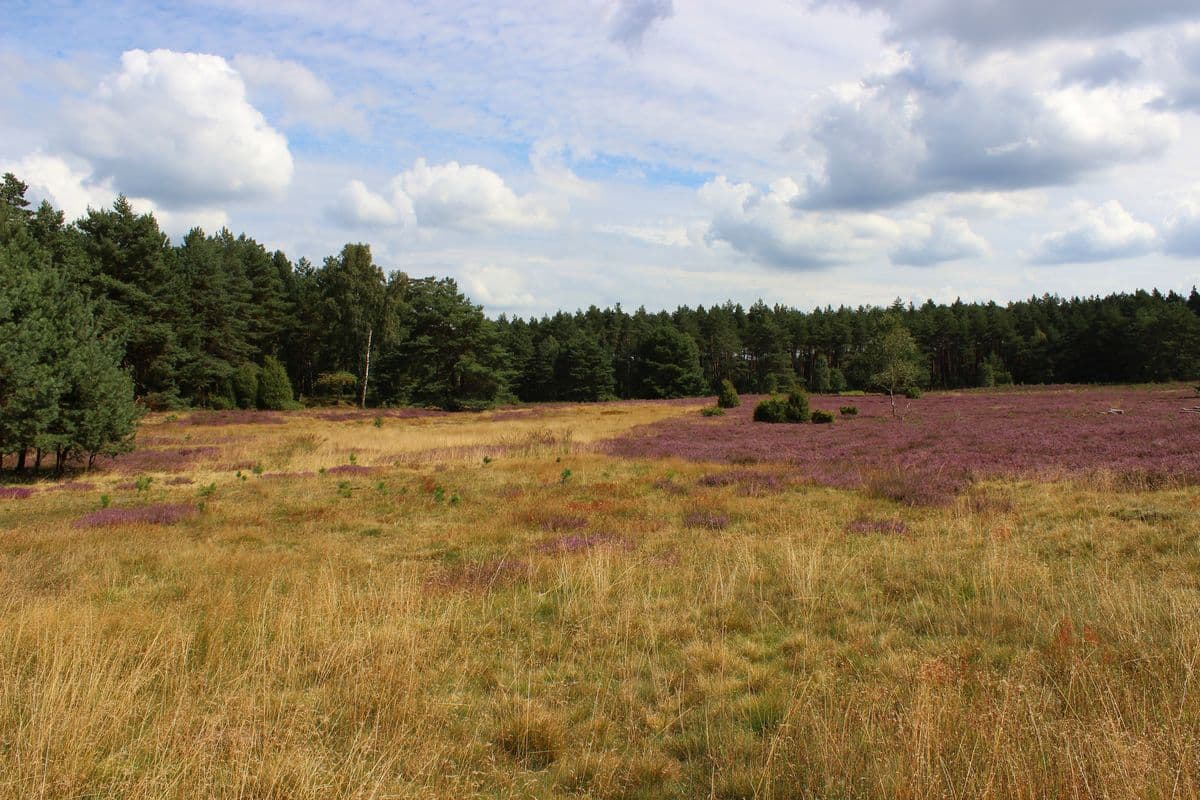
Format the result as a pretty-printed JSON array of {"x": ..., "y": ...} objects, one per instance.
[{"x": 622, "y": 600}]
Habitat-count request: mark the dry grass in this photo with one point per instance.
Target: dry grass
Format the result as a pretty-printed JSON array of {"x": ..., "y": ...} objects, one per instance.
[{"x": 409, "y": 632}]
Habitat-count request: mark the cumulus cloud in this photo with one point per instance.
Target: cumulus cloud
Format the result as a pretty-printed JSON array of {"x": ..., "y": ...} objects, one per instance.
[
  {"x": 1181, "y": 234},
  {"x": 630, "y": 19},
  {"x": 305, "y": 98},
  {"x": 1102, "y": 68},
  {"x": 767, "y": 227},
  {"x": 73, "y": 190},
  {"x": 497, "y": 288},
  {"x": 922, "y": 130},
  {"x": 1102, "y": 233},
  {"x": 987, "y": 23},
  {"x": 449, "y": 196},
  {"x": 177, "y": 128},
  {"x": 927, "y": 242}
]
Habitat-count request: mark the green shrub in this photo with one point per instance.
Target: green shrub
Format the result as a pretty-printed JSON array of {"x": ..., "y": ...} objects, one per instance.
[
  {"x": 793, "y": 408},
  {"x": 837, "y": 381},
  {"x": 849, "y": 411},
  {"x": 728, "y": 396},
  {"x": 913, "y": 393},
  {"x": 245, "y": 385},
  {"x": 773, "y": 409},
  {"x": 853, "y": 393},
  {"x": 274, "y": 388},
  {"x": 712, "y": 411},
  {"x": 820, "y": 417}
]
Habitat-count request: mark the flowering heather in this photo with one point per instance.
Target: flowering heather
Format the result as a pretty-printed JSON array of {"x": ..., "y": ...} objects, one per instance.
[
  {"x": 15, "y": 493},
  {"x": 708, "y": 520},
  {"x": 749, "y": 482},
  {"x": 578, "y": 542},
  {"x": 350, "y": 469},
  {"x": 946, "y": 439},
  {"x": 163, "y": 514},
  {"x": 563, "y": 522},
  {"x": 863, "y": 525},
  {"x": 241, "y": 417},
  {"x": 73, "y": 486},
  {"x": 173, "y": 460}
]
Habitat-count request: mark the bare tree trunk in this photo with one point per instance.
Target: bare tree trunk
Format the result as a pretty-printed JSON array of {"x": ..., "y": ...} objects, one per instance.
[
  {"x": 21, "y": 460},
  {"x": 892, "y": 398},
  {"x": 37, "y": 460},
  {"x": 366, "y": 369}
]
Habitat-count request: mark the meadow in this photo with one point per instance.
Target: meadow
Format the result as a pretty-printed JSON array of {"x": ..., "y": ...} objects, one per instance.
[{"x": 997, "y": 596}]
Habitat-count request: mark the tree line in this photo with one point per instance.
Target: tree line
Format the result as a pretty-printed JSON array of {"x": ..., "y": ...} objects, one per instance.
[{"x": 105, "y": 309}]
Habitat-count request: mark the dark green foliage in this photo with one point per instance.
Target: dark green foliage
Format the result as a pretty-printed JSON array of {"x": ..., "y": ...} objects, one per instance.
[
  {"x": 913, "y": 392},
  {"x": 712, "y": 411},
  {"x": 849, "y": 411},
  {"x": 274, "y": 389},
  {"x": 670, "y": 365},
  {"x": 792, "y": 408},
  {"x": 245, "y": 385},
  {"x": 820, "y": 417},
  {"x": 728, "y": 396},
  {"x": 822, "y": 376}
]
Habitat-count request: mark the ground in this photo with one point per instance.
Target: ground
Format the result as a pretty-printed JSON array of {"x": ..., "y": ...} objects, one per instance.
[{"x": 551, "y": 602}]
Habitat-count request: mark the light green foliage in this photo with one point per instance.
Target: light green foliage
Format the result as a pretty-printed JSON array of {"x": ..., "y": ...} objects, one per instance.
[{"x": 896, "y": 361}]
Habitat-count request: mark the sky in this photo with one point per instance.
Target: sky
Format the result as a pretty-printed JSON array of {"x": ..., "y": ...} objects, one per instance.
[{"x": 643, "y": 152}]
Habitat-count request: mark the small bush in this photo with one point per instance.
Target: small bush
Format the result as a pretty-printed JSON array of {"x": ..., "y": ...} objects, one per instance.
[
  {"x": 913, "y": 393},
  {"x": 274, "y": 388},
  {"x": 793, "y": 408},
  {"x": 820, "y": 417},
  {"x": 849, "y": 411},
  {"x": 853, "y": 393},
  {"x": 245, "y": 385},
  {"x": 728, "y": 396},
  {"x": 712, "y": 411}
]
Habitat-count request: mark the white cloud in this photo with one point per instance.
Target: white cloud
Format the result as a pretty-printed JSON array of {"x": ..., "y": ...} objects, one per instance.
[
  {"x": 305, "y": 98},
  {"x": 925, "y": 242},
  {"x": 464, "y": 197},
  {"x": 1103, "y": 233},
  {"x": 497, "y": 288},
  {"x": 177, "y": 128},
  {"x": 73, "y": 190},
  {"x": 934, "y": 127},
  {"x": 1181, "y": 234}
]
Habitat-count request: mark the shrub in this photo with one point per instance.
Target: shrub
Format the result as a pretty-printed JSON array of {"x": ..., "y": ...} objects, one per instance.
[
  {"x": 853, "y": 393},
  {"x": 245, "y": 385},
  {"x": 728, "y": 396},
  {"x": 274, "y": 388},
  {"x": 820, "y": 417},
  {"x": 913, "y": 393},
  {"x": 712, "y": 411},
  {"x": 837, "y": 381},
  {"x": 793, "y": 408},
  {"x": 849, "y": 411},
  {"x": 773, "y": 409}
]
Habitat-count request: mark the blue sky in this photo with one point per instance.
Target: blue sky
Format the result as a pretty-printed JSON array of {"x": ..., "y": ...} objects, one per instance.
[{"x": 647, "y": 152}]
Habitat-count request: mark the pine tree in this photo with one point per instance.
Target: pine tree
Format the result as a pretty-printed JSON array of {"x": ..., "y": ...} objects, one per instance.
[
  {"x": 669, "y": 364},
  {"x": 274, "y": 390}
]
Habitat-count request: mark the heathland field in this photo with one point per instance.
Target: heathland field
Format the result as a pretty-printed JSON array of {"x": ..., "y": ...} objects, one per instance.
[{"x": 996, "y": 596}]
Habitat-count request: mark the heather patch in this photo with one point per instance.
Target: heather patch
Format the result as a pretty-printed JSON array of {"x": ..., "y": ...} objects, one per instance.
[
  {"x": 706, "y": 520},
  {"x": 945, "y": 440},
  {"x": 242, "y": 417},
  {"x": 171, "y": 460},
  {"x": 888, "y": 526},
  {"x": 15, "y": 493},
  {"x": 73, "y": 486},
  {"x": 563, "y": 522},
  {"x": 669, "y": 486},
  {"x": 579, "y": 542},
  {"x": 748, "y": 482},
  {"x": 350, "y": 469},
  {"x": 162, "y": 514}
]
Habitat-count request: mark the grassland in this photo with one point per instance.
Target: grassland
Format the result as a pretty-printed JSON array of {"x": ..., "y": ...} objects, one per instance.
[{"x": 437, "y": 606}]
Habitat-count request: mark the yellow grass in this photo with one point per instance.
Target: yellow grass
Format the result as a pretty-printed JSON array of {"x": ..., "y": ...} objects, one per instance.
[{"x": 433, "y": 630}]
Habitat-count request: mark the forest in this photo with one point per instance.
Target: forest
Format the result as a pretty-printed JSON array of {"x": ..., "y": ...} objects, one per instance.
[{"x": 106, "y": 308}]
